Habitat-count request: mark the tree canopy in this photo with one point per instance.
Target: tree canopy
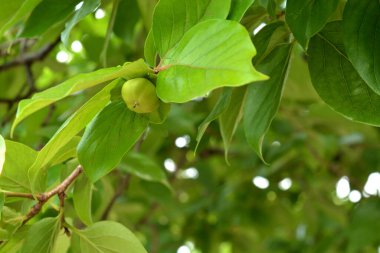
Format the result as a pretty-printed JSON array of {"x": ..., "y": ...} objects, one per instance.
[{"x": 189, "y": 126}]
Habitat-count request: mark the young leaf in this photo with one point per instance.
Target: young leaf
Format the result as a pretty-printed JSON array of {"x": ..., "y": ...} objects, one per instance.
[
  {"x": 229, "y": 120},
  {"x": 106, "y": 237},
  {"x": 2, "y": 153},
  {"x": 82, "y": 199},
  {"x": 337, "y": 82},
  {"x": 263, "y": 98},
  {"x": 75, "y": 84},
  {"x": 212, "y": 54},
  {"x": 361, "y": 27},
  {"x": 88, "y": 7},
  {"x": 46, "y": 14},
  {"x": 172, "y": 18},
  {"x": 143, "y": 167},
  {"x": 108, "y": 137},
  {"x": 220, "y": 106},
  {"x": 72, "y": 126},
  {"x": 306, "y": 18},
  {"x": 14, "y": 176},
  {"x": 42, "y": 236},
  {"x": 238, "y": 8}
]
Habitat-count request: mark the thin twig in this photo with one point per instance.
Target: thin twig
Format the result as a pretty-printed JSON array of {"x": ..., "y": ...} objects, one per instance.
[
  {"x": 18, "y": 195},
  {"x": 31, "y": 57},
  {"x": 58, "y": 190},
  {"x": 123, "y": 185}
]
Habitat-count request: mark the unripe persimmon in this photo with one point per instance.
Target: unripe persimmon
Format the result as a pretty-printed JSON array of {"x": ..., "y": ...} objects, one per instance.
[{"x": 140, "y": 95}]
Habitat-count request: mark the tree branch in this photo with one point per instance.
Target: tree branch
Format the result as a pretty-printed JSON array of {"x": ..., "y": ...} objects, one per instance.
[
  {"x": 31, "y": 57},
  {"x": 122, "y": 186},
  {"x": 58, "y": 190}
]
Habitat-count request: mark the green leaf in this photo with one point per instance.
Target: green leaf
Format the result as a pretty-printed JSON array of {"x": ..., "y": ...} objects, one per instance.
[
  {"x": 14, "y": 244},
  {"x": 127, "y": 16},
  {"x": 337, "y": 82},
  {"x": 14, "y": 176},
  {"x": 212, "y": 54},
  {"x": 67, "y": 152},
  {"x": 2, "y": 199},
  {"x": 42, "y": 236},
  {"x": 82, "y": 199},
  {"x": 150, "y": 51},
  {"x": 45, "y": 15},
  {"x": 8, "y": 9},
  {"x": 263, "y": 99},
  {"x": 361, "y": 26},
  {"x": 306, "y": 18},
  {"x": 172, "y": 18},
  {"x": 75, "y": 84},
  {"x": 238, "y": 8},
  {"x": 2, "y": 153},
  {"x": 88, "y": 7},
  {"x": 26, "y": 7},
  {"x": 268, "y": 38},
  {"x": 220, "y": 106},
  {"x": 106, "y": 237},
  {"x": 143, "y": 167},
  {"x": 71, "y": 127},
  {"x": 364, "y": 227},
  {"x": 230, "y": 118},
  {"x": 108, "y": 138}
]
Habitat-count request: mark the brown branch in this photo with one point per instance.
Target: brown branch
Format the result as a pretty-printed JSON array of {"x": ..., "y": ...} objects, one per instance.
[
  {"x": 58, "y": 190},
  {"x": 123, "y": 185},
  {"x": 31, "y": 57}
]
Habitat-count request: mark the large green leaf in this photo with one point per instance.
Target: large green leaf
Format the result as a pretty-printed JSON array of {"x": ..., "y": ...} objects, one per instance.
[
  {"x": 2, "y": 153},
  {"x": 212, "y": 54},
  {"x": 220, "y": 106},
  {"x": 82, "y": 199},
  {"x": 108, "y": 137},
  {"x": 26, "y": 7},
  {"x": 143, "y": 167},
  {"x": 106, "y": 237},
  {"x": 263, "y": 99},
  {"x": 88, "y": 7},
  {"x": 75, "y": 84},
  {"x": 307, "y": 17},
  {"x": 172, "y": 18},
  {"x": 46, "y": 14},
  {"x": 229, "y": 120},
  {"x": 71, "y": 127},
  {"x": 18, "y": 159},
  {"x": 337, "y": 82},
  {"x": 361, "y": 24},
  {"x": 238, "y": 8},
  {"x": 42, "y": 236}
]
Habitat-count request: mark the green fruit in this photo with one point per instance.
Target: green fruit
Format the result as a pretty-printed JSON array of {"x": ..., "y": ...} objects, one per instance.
[{"x": 140, "y": 95}]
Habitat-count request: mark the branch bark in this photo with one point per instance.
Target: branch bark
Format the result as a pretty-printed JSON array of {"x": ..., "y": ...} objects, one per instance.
[
  {"x": 31, "y": 57},
  {"x": 58, "y": 190}
]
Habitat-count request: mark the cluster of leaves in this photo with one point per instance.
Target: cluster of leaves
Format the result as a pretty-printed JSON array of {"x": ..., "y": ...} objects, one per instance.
[{"x": 192, "y": 49}]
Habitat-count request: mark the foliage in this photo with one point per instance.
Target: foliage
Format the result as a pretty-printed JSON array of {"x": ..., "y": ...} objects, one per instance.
[{"x": 263, "y": 107}]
